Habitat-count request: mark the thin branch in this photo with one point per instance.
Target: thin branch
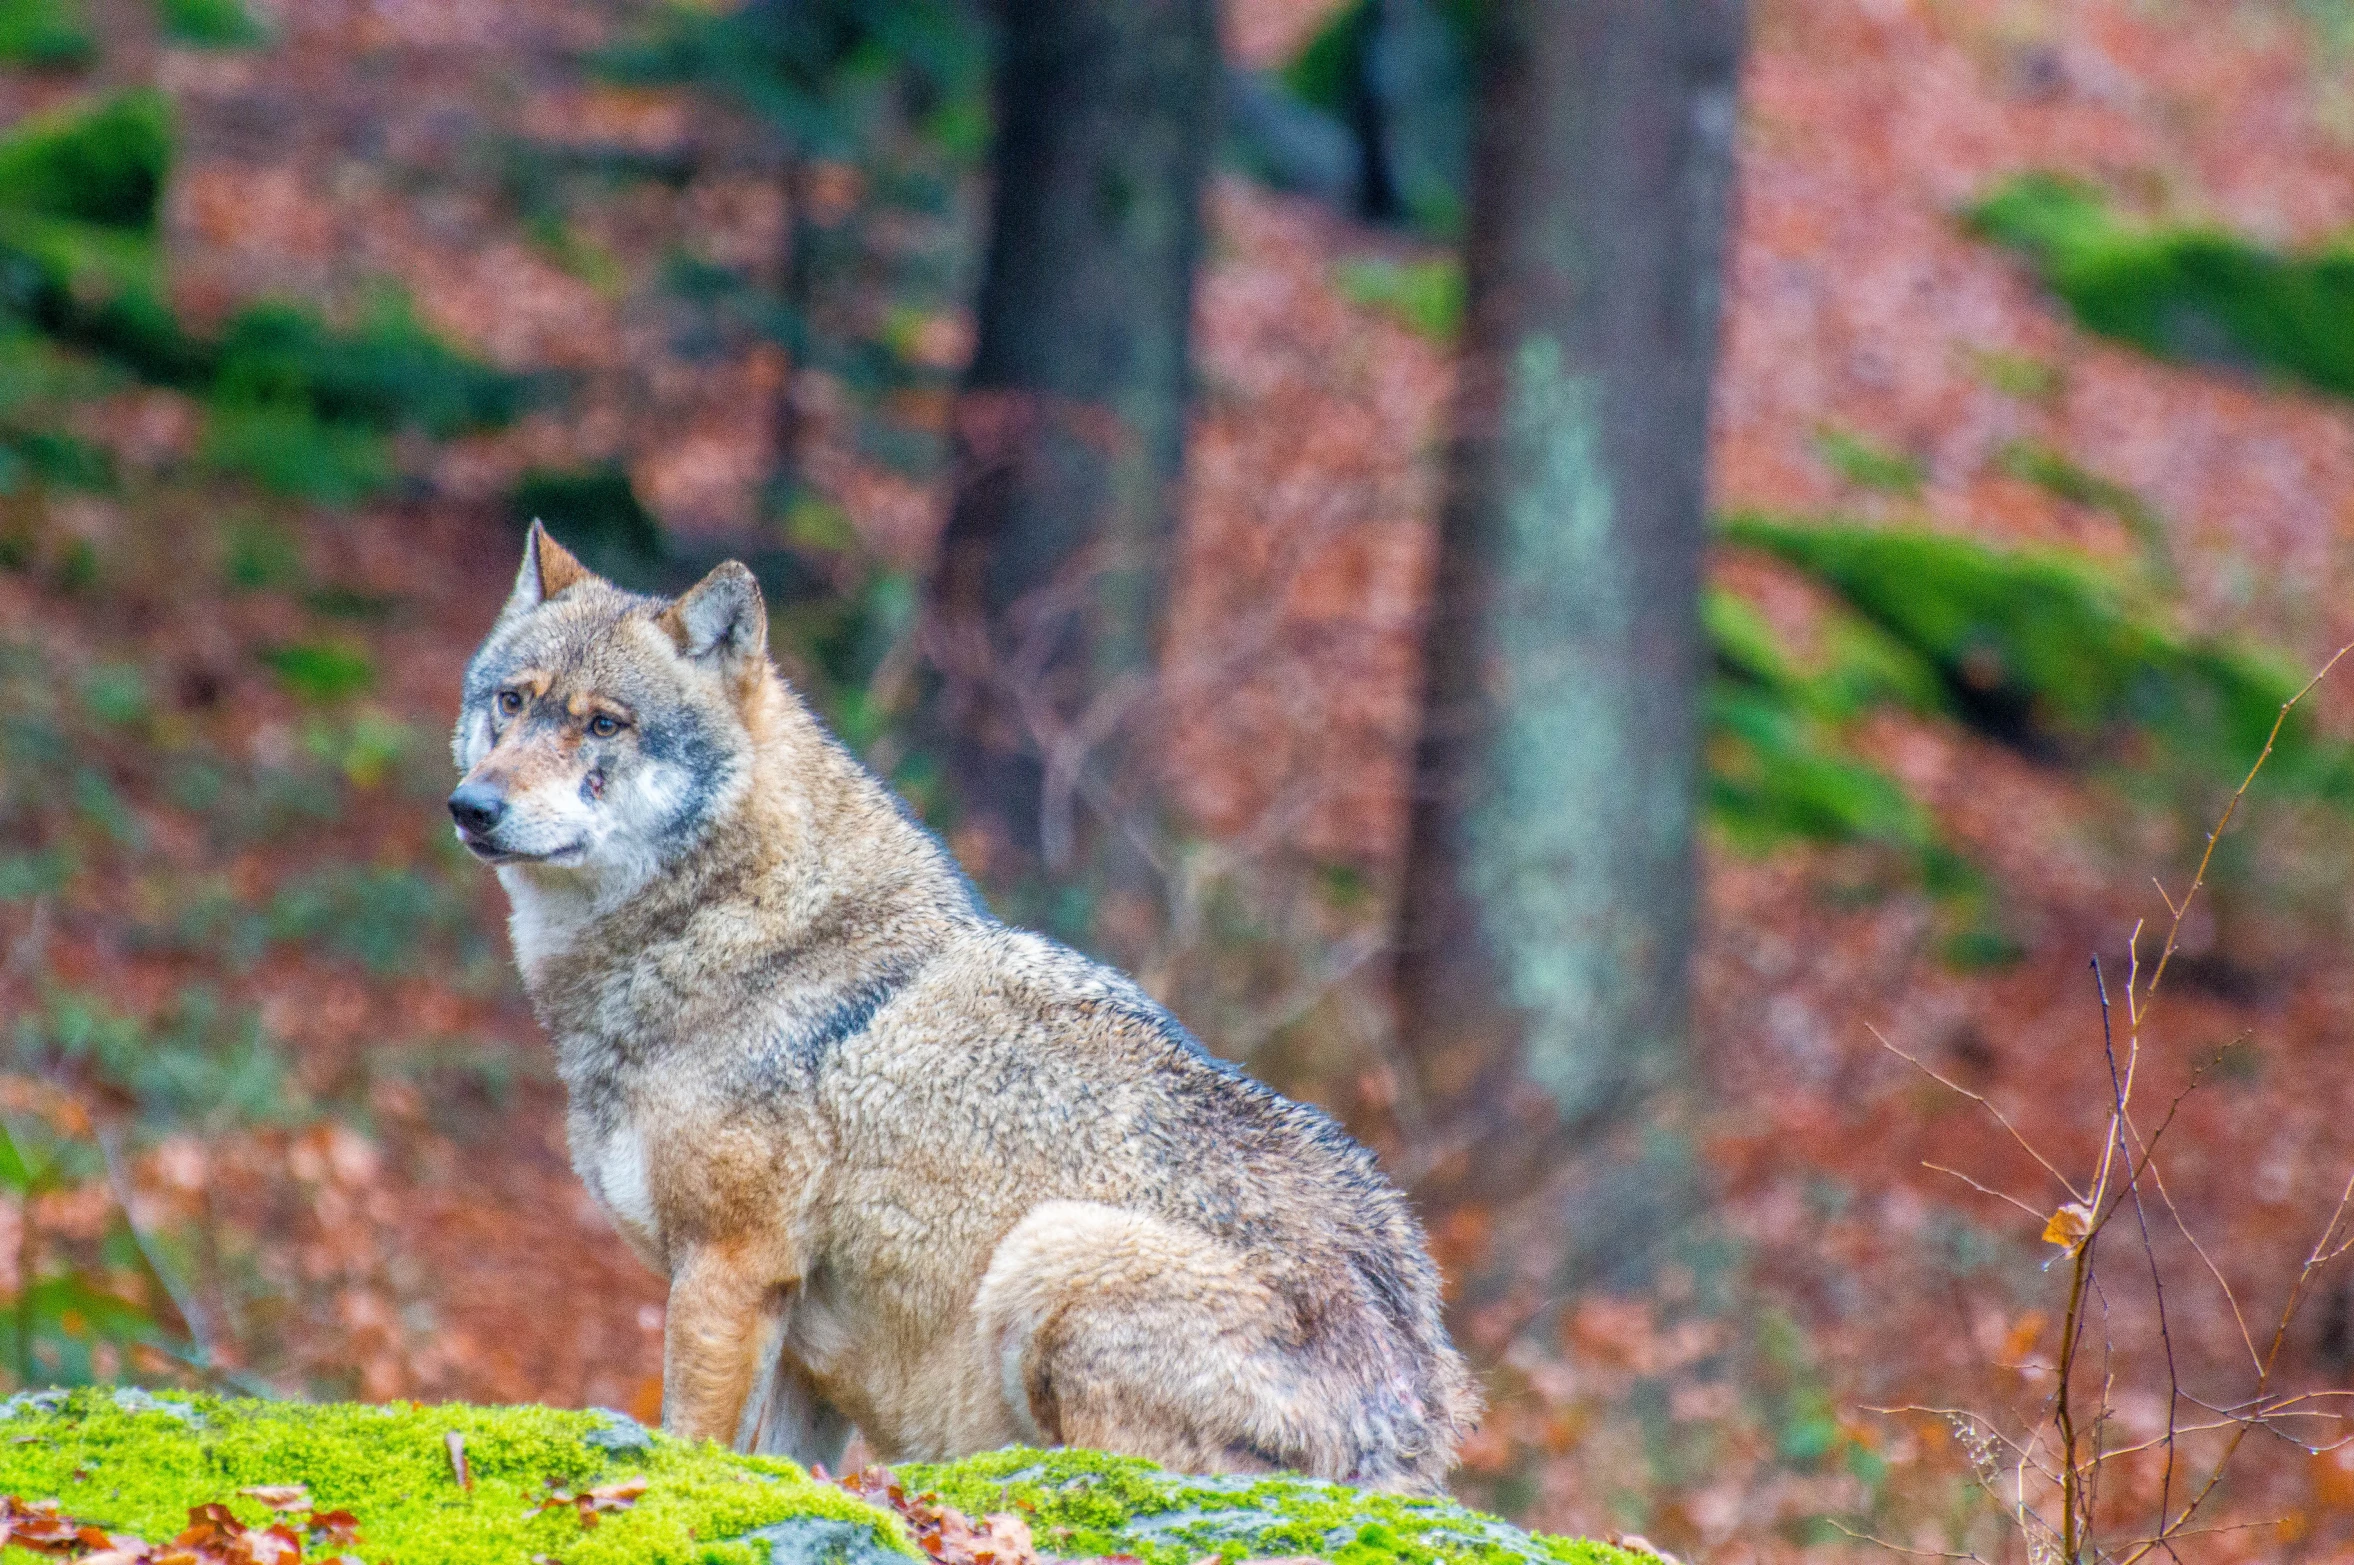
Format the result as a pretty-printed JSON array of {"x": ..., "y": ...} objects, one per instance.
[
  {"x": 2230, "y": 808},
  {"x": 2079, "y": 1472},
  {"x": 2158, "y": 1178},
  {"x": 192, "y": 1312},
  {"x": 1983, "y": 1102},
  {"x": 2323, "y": 1249},
  {"x": 1999, "y": 1195},
  {"x": 2119, "y": 1091},
  {"x": 1903, "y": 1548}
]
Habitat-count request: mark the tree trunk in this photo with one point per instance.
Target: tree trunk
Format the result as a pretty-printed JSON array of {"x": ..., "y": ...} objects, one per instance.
[
  {"x": 1045, "y": 605},
  {"x": 1548, "y": 900},
  {"x": 1372, "y": 114}
]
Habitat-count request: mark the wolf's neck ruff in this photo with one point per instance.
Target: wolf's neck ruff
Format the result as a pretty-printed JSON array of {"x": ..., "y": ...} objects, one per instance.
[
  {"x": 804, "y": 867},
  {"x": 904, "y": 1166}
]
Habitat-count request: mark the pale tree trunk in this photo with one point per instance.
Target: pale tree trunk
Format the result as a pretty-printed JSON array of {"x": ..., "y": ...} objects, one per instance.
[
  {"x": 1046, "y": 603},
  {"x": 1548, "y": 900}
]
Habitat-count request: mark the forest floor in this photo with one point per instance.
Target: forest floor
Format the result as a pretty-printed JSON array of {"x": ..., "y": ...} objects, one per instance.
[{"x": 404, "y": 1223}]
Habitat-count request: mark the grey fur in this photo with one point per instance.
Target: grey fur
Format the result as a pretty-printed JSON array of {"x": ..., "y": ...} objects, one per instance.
[{"x": 904, "y": 1164}]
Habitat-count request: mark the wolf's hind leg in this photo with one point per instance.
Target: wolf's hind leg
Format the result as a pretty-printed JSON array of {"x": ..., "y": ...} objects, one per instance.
[{"x": 1120, "y": 1331}]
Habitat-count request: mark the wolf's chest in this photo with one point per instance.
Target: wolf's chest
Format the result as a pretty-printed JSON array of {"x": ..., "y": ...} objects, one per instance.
[
  {"x": 546, "y": 914},
  {"x": 612, "y": 1161}
]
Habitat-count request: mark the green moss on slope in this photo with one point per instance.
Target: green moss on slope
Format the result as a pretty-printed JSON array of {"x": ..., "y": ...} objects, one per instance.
[
  {"x": 2039, "y": 649},
  {"x": 45, "y": 35},
  {"x": 102, "y": 163},
  {"x": 2201, "y": 295},
  {"x": 299, "y": 405},
  {"x": 1782, "y": 763},
  {"x": 1081, "y": 1503},
  {"x": 135, "y": 1462},
  {"x": 1778, "y": 764}
]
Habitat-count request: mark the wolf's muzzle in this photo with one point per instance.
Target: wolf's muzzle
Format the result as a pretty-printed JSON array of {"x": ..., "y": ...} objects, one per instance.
[{"x": 477, "y": 808}]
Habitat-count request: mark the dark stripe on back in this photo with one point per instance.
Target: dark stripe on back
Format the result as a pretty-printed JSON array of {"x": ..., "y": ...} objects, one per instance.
[{"x": 852, "y": 1013}]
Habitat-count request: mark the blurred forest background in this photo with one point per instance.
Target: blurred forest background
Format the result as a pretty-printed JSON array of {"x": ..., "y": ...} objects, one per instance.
[{"x": 1547, "y": 575}]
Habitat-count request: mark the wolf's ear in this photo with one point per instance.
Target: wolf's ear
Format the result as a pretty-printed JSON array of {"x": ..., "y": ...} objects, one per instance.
[
  {"x": 719, "y": 618},
  {"x": 548, "y": 568}
]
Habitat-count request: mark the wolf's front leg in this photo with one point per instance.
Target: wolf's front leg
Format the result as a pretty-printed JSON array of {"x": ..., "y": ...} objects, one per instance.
[
  {"x": 717, "y": 1325},
  {"x": 788, "y": 1415}
]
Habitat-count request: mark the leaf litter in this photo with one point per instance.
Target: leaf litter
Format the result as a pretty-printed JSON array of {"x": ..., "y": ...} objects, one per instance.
[
  {"x": 213, "y": 1536},
  {"x": 948, "y": 1536}
]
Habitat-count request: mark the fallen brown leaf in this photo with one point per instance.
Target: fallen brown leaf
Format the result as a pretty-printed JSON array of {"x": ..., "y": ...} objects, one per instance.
[
  {"x": 280, "y": 1496},
  {"x": 616, "y": 1496}
]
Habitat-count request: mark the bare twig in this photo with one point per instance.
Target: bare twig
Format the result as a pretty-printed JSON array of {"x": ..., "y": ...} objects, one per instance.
[
  {"x": 1940, "y": 1168},
  {"x": 2119, "y": 1092},
  {"x": 1983, "y": 1102},
  {"x": 2081, "y": 1434},
  {"x": 1893, "y": 1547},
  {"x": 191, "y": 1310},
  {"x": 2230, "y": 808}
]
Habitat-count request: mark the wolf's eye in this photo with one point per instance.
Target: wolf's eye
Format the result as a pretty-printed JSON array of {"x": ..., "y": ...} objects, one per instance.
[
  {"x": 510, "y": 702},
  {"x": 604, "y": 726}
]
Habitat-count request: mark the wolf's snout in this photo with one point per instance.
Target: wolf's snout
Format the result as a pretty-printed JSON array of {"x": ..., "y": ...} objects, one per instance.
[{"x": 477, "y": 807}]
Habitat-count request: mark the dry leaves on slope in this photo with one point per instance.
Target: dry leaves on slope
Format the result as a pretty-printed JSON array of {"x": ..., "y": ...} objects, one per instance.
[
  {"x": 213, "y": 1536},
  {"x": 949, "y": 1537},
  {"x": 944, "y": 1533},
  {"x": 617, "y": 1496}
]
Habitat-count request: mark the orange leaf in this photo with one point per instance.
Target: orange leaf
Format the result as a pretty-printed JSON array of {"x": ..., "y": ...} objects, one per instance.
[{"x": 2070, "y": 1226}]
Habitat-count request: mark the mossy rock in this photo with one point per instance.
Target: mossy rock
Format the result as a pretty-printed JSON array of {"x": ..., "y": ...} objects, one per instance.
[
  {"x": 1082, "y": 1504},
  {"x": 136, "y": 1462}
]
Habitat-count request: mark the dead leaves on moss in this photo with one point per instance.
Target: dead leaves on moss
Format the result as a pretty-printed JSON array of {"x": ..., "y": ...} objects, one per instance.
[
  {"x": 616, "y": 1496},
  {"x": 946, "y": 1535},
  {"x": 213, "y": 1535},
  {"x": 949, "y": 1537}
]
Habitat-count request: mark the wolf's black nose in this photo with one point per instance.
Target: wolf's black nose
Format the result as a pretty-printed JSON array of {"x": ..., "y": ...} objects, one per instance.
[{"x": 477, "y": 807}]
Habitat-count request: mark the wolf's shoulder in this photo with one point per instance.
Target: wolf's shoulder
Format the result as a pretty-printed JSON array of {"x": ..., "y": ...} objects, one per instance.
[
  {"x": 1017, "y": 1005},
  {"x": 1023, "y": 986}
]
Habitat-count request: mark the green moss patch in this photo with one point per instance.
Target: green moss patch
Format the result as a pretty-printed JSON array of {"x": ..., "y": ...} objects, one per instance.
[
  {"x": 1868, "y": 465},
  {"x": 2042, "y": 650},
  {"x": 1778, "y": 763},
  {"x": 137, "y": 1463},
  {"x": 103, "y": 163},
  {"x": 2072, "y": 662},
  {"x": 1426, "y": 297},
  {"x": 45, "y": 35},
  {"x": 298, "y": 404},
  {"x": 2199, "y": 295},
  {"x": 1782, "y": 761},
  {"x": 1080, "y": 1503},
  {"x": 209, "y": 24}
]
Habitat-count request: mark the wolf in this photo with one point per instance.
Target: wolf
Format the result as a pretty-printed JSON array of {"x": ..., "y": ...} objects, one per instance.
[{"x": 906, "y": 1168}]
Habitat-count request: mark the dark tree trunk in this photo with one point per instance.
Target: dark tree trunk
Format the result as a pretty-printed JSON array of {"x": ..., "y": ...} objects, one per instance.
[
  {"x": 1372, "y": 116},
  {"x": 1549, "y": 893},
  {"x": 1046, "y": 602}
]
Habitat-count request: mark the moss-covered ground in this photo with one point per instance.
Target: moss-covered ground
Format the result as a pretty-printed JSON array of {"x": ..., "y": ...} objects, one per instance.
[
  {"x": 135, "y": 1462},
  {"x": 1082, "y": 1503}
]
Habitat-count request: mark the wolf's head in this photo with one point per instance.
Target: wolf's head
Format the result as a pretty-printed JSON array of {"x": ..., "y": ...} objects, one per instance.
[{"x": 602, "y": 730}]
